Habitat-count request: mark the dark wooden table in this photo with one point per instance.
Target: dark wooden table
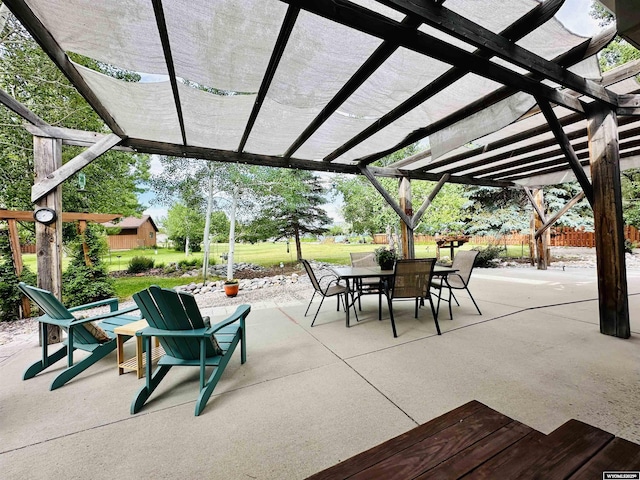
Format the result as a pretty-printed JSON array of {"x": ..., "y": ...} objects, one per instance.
[{"x": 475, "y": 441}]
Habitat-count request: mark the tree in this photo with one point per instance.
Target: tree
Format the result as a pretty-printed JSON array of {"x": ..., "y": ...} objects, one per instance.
[
  {"x": 87, "y": 279},
  {"x": 292, "y": 206},
  {"x": 491, "y": 211},
  {"x": 184, "y": 227},
  {"x": 364, "y": 208}
]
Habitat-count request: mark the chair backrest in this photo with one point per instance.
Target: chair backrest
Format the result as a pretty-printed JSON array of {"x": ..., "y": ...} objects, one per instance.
[
  {"x": 167, "y": 309},
  {"x": 55, "y": 310},
  {"x": 363, "y": 259},
  {"x": 463, "y": 262},
  {"x": 47, "y": 302},
  {"x": 412, "y": 277},
  {"x": 312, "y": 276}
]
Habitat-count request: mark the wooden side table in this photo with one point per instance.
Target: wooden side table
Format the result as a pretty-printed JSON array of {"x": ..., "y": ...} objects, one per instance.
[{"x": 138, "y": 362}]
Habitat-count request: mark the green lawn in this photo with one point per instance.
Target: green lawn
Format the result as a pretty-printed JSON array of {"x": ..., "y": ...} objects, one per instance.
[{"x": 266, "y": 254}]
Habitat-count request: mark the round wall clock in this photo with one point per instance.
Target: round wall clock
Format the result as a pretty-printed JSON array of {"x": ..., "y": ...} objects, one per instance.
[{"x": 45, "y": 215}]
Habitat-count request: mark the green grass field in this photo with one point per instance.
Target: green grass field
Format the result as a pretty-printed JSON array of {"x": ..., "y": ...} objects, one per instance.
[{"x": 266, "y": 254}]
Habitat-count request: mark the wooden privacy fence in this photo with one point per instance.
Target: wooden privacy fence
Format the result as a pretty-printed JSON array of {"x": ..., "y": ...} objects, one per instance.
[{"x": 560, "y": 237}]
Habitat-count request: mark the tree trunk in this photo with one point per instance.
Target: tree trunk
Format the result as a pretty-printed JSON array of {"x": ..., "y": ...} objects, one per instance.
[{"x": 298, "y": 246}]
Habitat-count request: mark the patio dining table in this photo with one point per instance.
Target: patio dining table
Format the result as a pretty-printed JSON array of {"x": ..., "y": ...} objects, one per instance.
[{"x": 353, "y": 274}]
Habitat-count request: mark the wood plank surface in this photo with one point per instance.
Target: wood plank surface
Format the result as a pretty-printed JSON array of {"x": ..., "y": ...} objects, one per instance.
[
  {"x": 469, "y": 458},
  {"x": 475, "y": 442},
  {"x": 437, "y": 448},
  {"x": 618, "y": 455},
  {"x": 380, "y": 452}
]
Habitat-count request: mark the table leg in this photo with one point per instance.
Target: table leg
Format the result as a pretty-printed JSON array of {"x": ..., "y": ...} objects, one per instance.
[
  {"x": 139, "y": 369},
  {"x": 346, "y": 302},
  {"x": 120, "y": 352}
]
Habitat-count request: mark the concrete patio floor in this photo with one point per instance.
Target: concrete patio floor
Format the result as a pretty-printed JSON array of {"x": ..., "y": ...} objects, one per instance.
[{"x": 308, "y": 398}]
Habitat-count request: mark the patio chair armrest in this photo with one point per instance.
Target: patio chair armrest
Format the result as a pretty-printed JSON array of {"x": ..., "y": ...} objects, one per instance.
[
  {"x": 158, "y": 332},
  {"x": 112, "y": 302},
  {"x": 335, "y": 280},
  {"x": 96, "y": 318},
  {"x": 446, "y": 279},
  {"x": 241, "y": 312}
]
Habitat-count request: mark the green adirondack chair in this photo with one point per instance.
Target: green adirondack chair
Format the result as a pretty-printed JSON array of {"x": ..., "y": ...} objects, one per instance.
[
  {"x": 187, "y": 339},
  {"x": 80, "y": 333}
]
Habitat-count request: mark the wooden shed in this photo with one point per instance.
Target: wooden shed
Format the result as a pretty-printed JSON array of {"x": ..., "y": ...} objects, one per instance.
[{"x": 134, "y": 232}]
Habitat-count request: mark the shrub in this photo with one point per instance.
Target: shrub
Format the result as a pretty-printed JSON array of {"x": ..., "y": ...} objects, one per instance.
[
  {"x": 169, "y": 269},
  {"x": 140, "y": 264},
  {"x": 488, "y": 256},
  {"x": 189, "y": 263}
]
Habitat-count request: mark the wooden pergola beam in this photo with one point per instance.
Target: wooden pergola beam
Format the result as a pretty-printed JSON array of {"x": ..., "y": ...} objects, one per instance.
[
  {"x": 549, "y": 223},
  {"x": 516, "y": 31},
  {"x": 558, "y": 165},
  {"x": 27, "y": 216},
  {"x": 370, "y": 65},
  {"x": 70, "y": 136},
  {"x": 628, "y": 104},
  {"x": 566, "y": 147},
  {"x": 462, "y": 28},
  {"x": 534, "y": 204},
  {"x": 17, "y": 107},
  {"x": 571, "y": 57},
  {"x": 162, "y": 148},
  {"x": 388, "y": 198},
  {"x": 281, "y": 42},
  {"x": 518, "y": 152},
  {"x": 367, "y": 21},
  {"x": 168, "y": 58},
  {"x": 423, "y": 208},
  {"x": 52, "y": 180}
]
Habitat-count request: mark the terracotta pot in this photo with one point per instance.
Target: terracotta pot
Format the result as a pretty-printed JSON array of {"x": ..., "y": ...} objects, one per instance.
[{"x": 231, "y": 289}]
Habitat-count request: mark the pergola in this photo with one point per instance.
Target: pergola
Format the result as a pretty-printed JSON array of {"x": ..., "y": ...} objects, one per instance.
[{"x": 505, "y": 94}]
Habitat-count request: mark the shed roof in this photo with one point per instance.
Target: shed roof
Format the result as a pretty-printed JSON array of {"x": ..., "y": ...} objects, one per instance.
[
  {"x": 132, "y": 222},
  {"x": 334, "y": 85}
]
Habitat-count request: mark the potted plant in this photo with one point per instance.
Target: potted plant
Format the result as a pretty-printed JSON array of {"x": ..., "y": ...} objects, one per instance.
[
  {"x": 231, "y": 287},
  {"x": 385, "y": 257}
]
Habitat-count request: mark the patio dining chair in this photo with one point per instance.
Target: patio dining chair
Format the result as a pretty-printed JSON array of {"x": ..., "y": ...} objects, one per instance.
[
  {"x": 332, "y": 289},
  {"x": 367, "y": 286},
  {"x": 463, "y": 262},
  {"x": 411, "y": 280}
]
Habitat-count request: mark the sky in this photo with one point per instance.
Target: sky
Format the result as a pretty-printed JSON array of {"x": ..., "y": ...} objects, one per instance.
[{"x": 574, "y": 14}]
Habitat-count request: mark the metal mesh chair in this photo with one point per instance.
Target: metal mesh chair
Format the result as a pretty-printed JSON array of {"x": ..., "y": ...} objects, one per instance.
[
  {"x": 463, "y": 262},
  {"x": 332, "y": 289},
  {"x": 412, "y": 279},
  {"x": 367, "y": 286}
]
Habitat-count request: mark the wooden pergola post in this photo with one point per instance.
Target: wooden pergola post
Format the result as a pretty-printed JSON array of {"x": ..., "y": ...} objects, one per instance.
[
  {"x": 604, "y": 158},
  {"x": 408, "y": 246},
  {"x": 539, "y": 238},
  {"x": 16, "y": 253},
  {"x": 47, "y": 158}
]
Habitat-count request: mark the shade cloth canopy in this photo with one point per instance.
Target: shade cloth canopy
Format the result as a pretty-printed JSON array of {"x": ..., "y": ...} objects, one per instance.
[{"x": 334, "y": 85}]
